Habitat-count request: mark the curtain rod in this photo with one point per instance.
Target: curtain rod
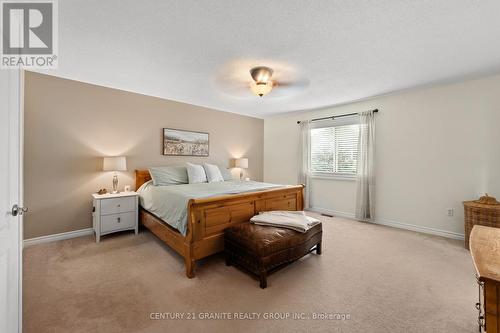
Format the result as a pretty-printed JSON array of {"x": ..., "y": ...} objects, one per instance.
[{"x": 339, "y": 116}]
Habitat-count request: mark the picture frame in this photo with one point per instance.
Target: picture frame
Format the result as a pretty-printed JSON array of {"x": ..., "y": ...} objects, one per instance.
[{"x": 178, "y": 142}]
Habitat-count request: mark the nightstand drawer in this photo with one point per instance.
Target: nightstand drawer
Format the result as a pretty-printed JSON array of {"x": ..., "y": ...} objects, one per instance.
[
  {"x": 118, "y": 205},
  {"x": 117, "y": 222}
]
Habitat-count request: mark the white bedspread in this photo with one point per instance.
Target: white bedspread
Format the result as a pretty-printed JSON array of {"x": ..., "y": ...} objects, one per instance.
[{"x": 295, "y": 220}]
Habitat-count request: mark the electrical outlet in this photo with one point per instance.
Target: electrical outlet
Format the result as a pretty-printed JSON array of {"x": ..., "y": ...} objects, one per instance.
[{"x": 450, "y": 212}]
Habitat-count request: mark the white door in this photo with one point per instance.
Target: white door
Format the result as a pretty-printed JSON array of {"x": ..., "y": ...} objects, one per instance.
[{"x": 10, "y": 194}]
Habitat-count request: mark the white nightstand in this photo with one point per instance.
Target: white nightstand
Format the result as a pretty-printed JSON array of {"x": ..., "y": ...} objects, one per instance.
[{"x": 114, "y": 212}]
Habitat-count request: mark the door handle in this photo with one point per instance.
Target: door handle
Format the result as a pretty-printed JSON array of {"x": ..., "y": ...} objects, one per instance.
[{"x": 16, "y": 210}]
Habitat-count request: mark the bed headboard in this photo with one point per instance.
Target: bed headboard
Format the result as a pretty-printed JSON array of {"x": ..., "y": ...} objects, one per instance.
[{"x": 141, "y": 176}]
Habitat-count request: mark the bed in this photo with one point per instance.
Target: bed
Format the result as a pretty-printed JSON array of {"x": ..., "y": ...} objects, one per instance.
[{"x": 207, "y": 218}]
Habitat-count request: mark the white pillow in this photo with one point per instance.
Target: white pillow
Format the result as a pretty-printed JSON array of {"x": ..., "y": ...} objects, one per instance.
[
  {"x": 226, "y": 173},
  {"x": 196, "y": 173},
  {"x": 213, "y": 173}
]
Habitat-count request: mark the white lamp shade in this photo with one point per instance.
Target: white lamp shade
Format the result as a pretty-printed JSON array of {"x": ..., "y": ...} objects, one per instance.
[
  {"x": 115, "y": 163},
  {"x": 241, "y": 163}
]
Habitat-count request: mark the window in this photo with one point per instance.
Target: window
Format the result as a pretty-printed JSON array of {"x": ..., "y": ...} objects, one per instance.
[{"x": 334, "y": 148}]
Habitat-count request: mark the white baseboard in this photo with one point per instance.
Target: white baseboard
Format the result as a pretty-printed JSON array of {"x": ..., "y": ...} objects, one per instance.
[
  {"x": 419, "y": 228},
  {"x": 395, "y": 224},
  {"x": 332, "y": 212},
  {"x": 57, "y": 237}
]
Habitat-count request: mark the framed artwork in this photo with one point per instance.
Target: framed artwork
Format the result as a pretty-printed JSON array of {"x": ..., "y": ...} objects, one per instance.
[{"x": 184, "y": 143}]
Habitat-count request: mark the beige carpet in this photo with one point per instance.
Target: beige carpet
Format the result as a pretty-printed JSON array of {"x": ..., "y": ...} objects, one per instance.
[{"x": 387, "y": 280}]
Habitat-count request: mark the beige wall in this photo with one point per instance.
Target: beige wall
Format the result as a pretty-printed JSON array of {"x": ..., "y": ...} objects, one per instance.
[
  {"x": 435, "y": 148},
  {"x": 70, "y": 125}
]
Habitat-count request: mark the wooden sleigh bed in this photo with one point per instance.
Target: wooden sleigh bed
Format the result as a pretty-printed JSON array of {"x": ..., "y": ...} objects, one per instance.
[{"x": 208, "y": 217}]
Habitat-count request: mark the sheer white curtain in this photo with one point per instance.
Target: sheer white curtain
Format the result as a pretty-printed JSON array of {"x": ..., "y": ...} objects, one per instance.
[
  {"x": 304, "y": 158},
  {"x": 365, "y": 178}
]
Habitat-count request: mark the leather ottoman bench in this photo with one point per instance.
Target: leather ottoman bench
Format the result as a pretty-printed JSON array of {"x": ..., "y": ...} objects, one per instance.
[{"x": 263, "y": 249}]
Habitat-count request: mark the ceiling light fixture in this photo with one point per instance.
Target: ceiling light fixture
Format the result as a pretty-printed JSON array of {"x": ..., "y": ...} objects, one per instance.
[{"x": 262, "y": 84}]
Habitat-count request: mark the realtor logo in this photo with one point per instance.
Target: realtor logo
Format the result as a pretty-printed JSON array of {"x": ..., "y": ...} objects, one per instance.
[{"x": 29, "y": 34}]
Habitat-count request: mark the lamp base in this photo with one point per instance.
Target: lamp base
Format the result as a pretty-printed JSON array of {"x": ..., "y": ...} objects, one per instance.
[{"x": 115, "y": 184}]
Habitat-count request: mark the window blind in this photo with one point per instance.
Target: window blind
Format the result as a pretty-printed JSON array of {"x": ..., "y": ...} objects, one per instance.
[{"x": 334, "y": 149}]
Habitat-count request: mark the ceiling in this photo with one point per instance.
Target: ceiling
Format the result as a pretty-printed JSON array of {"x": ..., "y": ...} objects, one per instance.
[{"x": 345, "y": 50}]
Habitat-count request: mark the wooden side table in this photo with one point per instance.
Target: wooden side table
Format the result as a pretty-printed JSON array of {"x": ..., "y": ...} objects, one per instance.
[
  {"x": 486, "y": 258},
  {"x": 115, "y": 212}
]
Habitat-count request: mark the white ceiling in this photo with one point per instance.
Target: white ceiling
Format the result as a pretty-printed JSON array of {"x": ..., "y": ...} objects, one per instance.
[{"x": 345, "y": 50}]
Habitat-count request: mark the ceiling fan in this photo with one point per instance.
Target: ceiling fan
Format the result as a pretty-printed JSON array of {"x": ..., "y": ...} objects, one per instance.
[
  {"x": 238, "y": 79},
  {"x": 262, "y": 84}
]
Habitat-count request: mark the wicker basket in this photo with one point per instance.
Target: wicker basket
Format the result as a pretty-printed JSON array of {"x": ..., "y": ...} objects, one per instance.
[{"x": 485, "y": 211}]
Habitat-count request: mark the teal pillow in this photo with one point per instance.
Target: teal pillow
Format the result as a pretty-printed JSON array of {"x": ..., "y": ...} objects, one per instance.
[
  {"x": 226, "y": 173},
  {"x": 169, "y": 175}
]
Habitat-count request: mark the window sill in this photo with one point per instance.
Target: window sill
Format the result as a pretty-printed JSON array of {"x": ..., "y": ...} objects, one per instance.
[{"x": 333, "y": 176}]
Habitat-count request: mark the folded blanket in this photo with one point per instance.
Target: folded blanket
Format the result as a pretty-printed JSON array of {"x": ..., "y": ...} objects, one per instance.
[{"x": 295, "y": 220}]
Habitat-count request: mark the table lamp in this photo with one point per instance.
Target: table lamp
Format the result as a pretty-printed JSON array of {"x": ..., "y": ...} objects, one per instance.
[
  {"x": 241, "y": 163},
  {"x": 115, "y": 163}
]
